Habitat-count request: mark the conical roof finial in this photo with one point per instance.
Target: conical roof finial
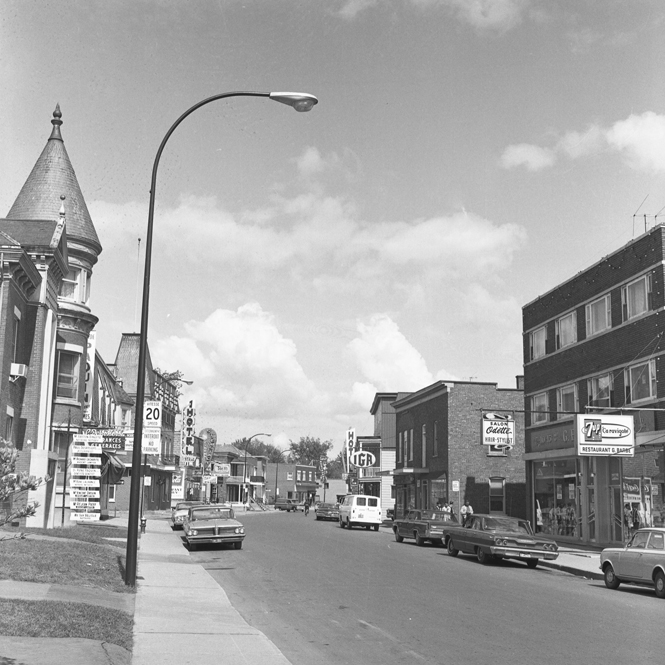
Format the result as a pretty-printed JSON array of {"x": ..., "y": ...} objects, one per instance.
[{"x": 56, "y": 122}]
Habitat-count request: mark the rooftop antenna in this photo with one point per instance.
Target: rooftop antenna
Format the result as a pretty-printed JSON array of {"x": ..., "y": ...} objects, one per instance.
[
  {"x": 635, "y": 213},
  {"x": 655, "y": 217}
]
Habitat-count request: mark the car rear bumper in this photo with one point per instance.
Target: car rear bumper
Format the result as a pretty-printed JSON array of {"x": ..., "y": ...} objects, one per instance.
[{"x": 519, "y": 553}]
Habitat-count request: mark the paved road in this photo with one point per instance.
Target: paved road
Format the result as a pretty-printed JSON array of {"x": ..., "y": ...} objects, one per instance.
[{"x": 329, "y": 596}]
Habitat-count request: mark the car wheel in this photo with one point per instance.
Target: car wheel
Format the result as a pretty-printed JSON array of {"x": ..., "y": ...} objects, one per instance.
[
  {"x": 660, "y": 584},
  {"x": 317, "y": 518},
  {"x": 483, "y": 556},
  {"x": 348, "y": 524},
  {"x": 451, "y": 548},
  {"x": 376, "y": 527},
  {"x": 341, "y": 523},
  {"x": 419, "y": 541},
  {"x": 532, "y": 563},
  {"x": 238, "y": 545},
  {"x": 438, "y": 542},
  {"x": 611, "y": 581},
  {"x": 368, "y": 526},
  {"x": 398, "y": 538}
]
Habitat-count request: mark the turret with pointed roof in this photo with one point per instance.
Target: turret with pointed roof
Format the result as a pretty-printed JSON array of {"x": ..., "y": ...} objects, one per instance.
[{"x": 51, "y": 178}]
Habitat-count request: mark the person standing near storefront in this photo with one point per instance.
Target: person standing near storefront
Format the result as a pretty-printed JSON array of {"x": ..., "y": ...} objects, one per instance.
[{"x": 465, "y": 512}]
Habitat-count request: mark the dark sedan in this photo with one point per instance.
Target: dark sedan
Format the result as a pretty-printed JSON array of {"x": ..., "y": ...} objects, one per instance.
[
  {"x": 327, "y": 511},
  {"x": 500, "y": 537}
]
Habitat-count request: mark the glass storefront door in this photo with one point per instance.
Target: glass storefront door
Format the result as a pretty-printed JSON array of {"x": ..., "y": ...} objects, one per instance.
[{"x": 556, "y": 495}]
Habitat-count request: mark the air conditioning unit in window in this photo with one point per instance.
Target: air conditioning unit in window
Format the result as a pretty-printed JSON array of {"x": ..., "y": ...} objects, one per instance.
[{"x": 18, "y": 370}]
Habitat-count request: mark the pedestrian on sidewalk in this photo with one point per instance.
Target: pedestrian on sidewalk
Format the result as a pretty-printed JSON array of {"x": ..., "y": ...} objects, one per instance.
[
  {"x": 466, "y": 511},
  {"x": 307, "y": 506}
]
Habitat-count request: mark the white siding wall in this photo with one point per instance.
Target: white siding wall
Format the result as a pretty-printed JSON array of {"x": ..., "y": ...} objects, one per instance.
[{"x": 387, "y": 464}]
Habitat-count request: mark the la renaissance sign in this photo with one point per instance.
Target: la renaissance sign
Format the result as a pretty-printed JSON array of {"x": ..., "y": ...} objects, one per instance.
[{"x": 605, "y": 435}]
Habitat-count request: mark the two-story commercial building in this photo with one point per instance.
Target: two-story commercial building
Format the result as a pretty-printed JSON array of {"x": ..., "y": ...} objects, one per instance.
[{"x": 443, "y": 453}]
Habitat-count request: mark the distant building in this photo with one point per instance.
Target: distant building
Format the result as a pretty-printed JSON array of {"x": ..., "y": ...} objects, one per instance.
[
  {"x": 291, "y": 481},
  {"x": 441, "y": 454}
]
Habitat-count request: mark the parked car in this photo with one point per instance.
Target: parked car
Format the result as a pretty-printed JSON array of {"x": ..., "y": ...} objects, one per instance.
[
  {"x": 360, "y": 510},
  {"x": 327, "y": 511},
  {"x": 289, "y": 505},
  {"x": 641, "y": 561},
  {"x": 214, "y": 524},
  {"x": 499, "y": 537},
  {"x": 423, "y": 525},
  {"x": 179, "y": 512}
]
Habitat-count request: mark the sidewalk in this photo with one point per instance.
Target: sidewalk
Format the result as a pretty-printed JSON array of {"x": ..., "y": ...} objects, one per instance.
[{"x": 183, "y": 616}]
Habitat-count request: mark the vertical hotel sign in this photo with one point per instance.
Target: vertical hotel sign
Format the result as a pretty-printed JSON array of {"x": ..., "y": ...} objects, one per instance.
[
  {"x": 187, "y": 456},
  {"x": 84, "y": 503},
  {"x": 605, "y": 435}
]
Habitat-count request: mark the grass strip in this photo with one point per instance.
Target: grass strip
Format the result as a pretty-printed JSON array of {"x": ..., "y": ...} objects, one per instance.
[
  {"x": 63, "y": 562},
  {"x": 50, "y": 618},
  {"x": 98, "y": 534}
]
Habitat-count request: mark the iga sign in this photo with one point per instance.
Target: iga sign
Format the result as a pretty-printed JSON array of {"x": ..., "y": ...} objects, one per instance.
[
  {"x": 498, "y": 433},
  {"x": 605, "y": 435},
  {"x": 362, "y": 459}
]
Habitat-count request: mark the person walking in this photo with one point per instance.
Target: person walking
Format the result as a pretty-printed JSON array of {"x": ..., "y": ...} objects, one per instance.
[
  {"x": 465, "y": 512},
  {"x": 307, "y": 506}
]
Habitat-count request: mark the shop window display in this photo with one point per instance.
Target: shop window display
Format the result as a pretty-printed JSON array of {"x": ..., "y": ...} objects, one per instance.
[{"x": 557, "y": 497}]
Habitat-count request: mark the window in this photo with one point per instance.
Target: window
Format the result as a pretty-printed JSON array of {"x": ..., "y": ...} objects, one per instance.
[
  {"x": 538, "y": 342},
  {"x": 424, "y": 447},
  {"x": 598, "y": 316},
  {"x": 399, "y": 446},
  {"x": 657, "y": 541},
  {"x": 298, "y": 475},
  {"x": 9, "y": 424},
  {"x": 67, "y": 382},
  {"x": 435, "y": 447},
  {"x": 566, "y": 330},
  {"x": 539, "y": 408},
  {"x": 497, "y": 495},
  {"x": 411, "y": 444},
  {"x": 636, "y": 297},
  {"x": 15, "y": 336},
  {"x": 76, "y": 286},
  {"x": 566, "y": 400},
  {"x": 601, "y": 390},
  {"x": 289, "y": 475},
  {"x": 111, "y": 493},
  {"x": 640, "y": 381}
]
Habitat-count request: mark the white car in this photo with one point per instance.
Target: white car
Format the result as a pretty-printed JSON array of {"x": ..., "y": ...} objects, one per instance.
[
  {"x": 641, "y": 561},
  {"x": 360, "y": 510}
]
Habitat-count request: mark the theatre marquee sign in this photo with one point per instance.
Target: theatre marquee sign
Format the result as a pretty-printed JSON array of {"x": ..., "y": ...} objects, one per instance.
[{"x": 605, "y": 435}]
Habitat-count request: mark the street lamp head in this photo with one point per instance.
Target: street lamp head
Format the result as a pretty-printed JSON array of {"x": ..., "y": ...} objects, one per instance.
[{"x": 300, "y": 101}]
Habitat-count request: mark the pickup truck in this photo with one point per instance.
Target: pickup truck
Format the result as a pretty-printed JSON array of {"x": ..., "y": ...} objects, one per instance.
[
  {"x": 423, "y": 525},
  {"x": 289, "y": 505}
]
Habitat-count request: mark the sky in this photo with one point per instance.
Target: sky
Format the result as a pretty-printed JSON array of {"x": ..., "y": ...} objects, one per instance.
[{"x": 465, "y": 157}]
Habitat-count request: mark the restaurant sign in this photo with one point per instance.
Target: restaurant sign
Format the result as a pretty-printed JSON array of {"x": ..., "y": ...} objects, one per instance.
[{"x": 605, "y": 435}]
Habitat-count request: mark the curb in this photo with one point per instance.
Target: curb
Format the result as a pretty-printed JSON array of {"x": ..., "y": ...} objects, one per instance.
[{"x": 571, "y": 570}]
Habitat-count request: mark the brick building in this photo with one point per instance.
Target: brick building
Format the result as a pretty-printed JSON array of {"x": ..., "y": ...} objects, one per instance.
[
  {"x": 594, "y": 345},
  {"x": 440, "y": 447}
]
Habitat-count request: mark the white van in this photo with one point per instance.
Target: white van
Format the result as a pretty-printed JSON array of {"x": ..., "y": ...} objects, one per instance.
[{"x": 360, "y": 510}]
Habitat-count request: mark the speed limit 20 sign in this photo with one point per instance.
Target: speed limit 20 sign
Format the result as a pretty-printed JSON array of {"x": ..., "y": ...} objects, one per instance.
[{"x": 152, "y": 414}]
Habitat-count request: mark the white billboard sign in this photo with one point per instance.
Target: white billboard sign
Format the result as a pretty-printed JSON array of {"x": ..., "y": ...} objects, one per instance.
[
  {"x": 498, "y": 433},
  {"x": 605, "y": 435}
]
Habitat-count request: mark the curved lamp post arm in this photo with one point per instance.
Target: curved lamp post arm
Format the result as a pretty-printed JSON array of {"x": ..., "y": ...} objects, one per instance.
[{"x": 300, "y": 102}]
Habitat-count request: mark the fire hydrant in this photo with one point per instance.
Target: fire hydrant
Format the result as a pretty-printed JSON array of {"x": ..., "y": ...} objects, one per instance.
[{"x": 144, "y": 521}]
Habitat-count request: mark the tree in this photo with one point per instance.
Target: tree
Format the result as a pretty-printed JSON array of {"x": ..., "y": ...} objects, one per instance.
[
  {"x": 335, "y": 467},
  {"x": 258, "y": 447},
  {"x": 13, "y": 485},
  {"x": 309, "y": 450}
]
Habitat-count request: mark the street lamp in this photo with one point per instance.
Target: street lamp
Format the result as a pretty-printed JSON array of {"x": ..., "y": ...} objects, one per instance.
[
  {"x": 244, "y": 468},
  {"x": 300, "y": 102}
]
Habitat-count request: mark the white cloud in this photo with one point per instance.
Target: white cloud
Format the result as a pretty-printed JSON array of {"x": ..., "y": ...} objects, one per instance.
[
  {"x": 241, "y": 364},
  {"x": 533, "y": 157},
  {"x": 499, "y": 15},
  {"x": 386, "y": 359},
  {"x": 639, "y": 139},
  {"x": 310, "y": 162},
  {"x": 352, "y": 8}
]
